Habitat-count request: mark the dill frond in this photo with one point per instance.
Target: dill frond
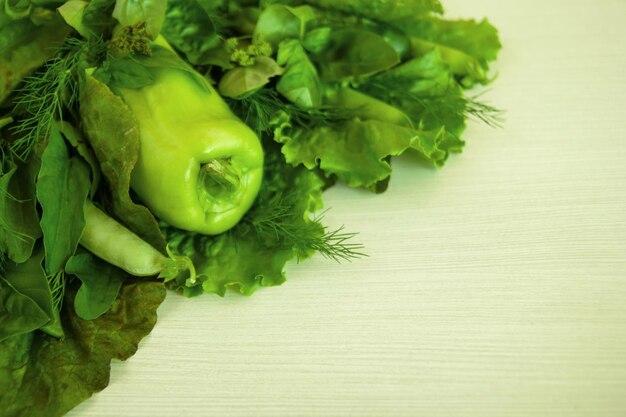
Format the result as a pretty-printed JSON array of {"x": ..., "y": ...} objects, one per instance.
[
  {"x": 41, "y": 100},
  {"x": 259, "y": 111},
  {"x": 276, "y": 220},
  {"x": 483, "y": 112}
]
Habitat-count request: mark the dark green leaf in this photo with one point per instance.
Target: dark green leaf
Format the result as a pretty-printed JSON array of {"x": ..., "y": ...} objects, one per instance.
[
  {"x": 98, "y": 16},
  {"x": 43, "y": 376},
  {"x": 101, "y": 284},
  {"x": 19, "y": 220},
  {"x": 190, "y": 28},
  {"x": 18, "y": 313},
  {"x": 355, "y": 53},
  {"x": 62, "y": 188},
  {"x": 124, "y": 73}
]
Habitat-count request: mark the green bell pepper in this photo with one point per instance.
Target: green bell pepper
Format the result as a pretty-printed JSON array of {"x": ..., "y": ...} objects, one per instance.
[{"x": 200, "y": 167}]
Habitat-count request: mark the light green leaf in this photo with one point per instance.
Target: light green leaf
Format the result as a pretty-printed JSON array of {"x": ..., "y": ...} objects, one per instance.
[
  {"x": 383, "y": 10},
  {"x": 72, "y": 12},
  {"x": 243, "y": 80},
  {"x": 152, "y": 12},
  {"x": 357, "y": 151},
  {"x": 299, "y": 83},
  {"x": 466, "y": 46}
]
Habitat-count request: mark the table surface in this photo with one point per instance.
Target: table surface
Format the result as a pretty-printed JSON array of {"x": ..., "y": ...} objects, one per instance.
[{"x": 493, "y": 287}]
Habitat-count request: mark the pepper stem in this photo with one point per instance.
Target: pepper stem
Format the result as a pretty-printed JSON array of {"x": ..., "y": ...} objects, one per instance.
[{"x": 220, "y": 176}]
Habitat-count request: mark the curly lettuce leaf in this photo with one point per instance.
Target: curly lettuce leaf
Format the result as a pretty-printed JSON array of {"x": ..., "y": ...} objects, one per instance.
[
  {"x": 383, "y": 10},
  {"x": 466, "y": 46},
  {"x": 357, "y": 151},
  {"x": 43, "y": 376},
  {"x": 425, "y": 90}
]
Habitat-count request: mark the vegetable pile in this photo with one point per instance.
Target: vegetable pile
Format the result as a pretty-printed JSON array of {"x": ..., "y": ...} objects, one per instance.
[{"x": 185, "y": 144}]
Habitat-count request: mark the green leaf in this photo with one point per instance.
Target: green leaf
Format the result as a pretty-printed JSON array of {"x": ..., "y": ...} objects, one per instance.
[
  {"x": 43, "y": 376},
  {"x": 75, "y": 138},
  {"x": 383, "y": 10},
  {"x": 19, "y": 220},
  {"x": 125, "y": 72},
  {"x": 101, "y": 284},
  {"x": 31, "y": 289},
  {"x": 355, "y": 53},
  {"x": 190, "y": 27},
  {"x": 17, "y": 9},
  {"x": 357, "y": 150},
  {"x": 18, "y": 313},
  {"x": 299, "y": 83},
  {"x": 113, "y": 133},
  {"x": 243, "y": 80},
  {"x": 130, "y": 12},
  {"x": 62, "y": 188},
  {"x": 97, "y": 17},
  {"x": 72, "y": 12},
  {"x": 425, "y": 90},
  {"x": 466, "y": 46},
  {"x": 278, "y": 22}
]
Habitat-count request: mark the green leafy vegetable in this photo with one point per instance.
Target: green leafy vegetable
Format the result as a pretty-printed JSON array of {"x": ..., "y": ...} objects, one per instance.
[
  {"x": 111, "y": 141},
  {"x": 19, "y": 221},
  {"x": 62, "y": 188},
  {"x": 300, "y": 83},
  {"x": 101, "y": 283},
  {"x": 40, "y": 375},
  {"x": 27, "y": 303}
]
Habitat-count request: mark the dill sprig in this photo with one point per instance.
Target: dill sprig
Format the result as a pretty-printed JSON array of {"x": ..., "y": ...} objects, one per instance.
[
  {"x": 483, "y": 112},
  {"x": 260, "y": 110},
  {"x": 276, "y": 220},
  {"x": 44, "y": 96}
]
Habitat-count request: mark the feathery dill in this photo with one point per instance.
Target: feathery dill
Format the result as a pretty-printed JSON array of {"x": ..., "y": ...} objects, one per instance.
[
  {"x": 260, "y": 110},
  {"x": 440, "y": 106},
  {"x": 44, "y": 96},
  {"x": 483, "y": 112},
  {"x": 276, "y": 220}
]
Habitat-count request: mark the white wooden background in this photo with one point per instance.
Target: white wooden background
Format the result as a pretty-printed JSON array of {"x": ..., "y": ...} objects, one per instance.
[{"x": 494, "y": 287}]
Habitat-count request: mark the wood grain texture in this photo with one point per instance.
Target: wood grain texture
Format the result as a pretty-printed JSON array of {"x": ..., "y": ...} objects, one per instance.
[{"x": 494, "y": 287}]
